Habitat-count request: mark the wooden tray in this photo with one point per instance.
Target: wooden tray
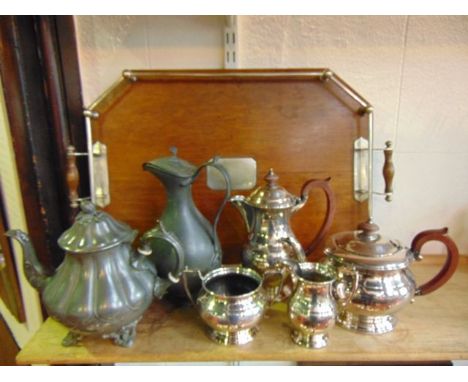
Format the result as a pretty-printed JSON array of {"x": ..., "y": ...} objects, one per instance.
[{"x": 301, "y": 122}]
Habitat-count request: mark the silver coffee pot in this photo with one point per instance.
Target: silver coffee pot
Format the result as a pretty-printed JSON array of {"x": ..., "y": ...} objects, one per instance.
[{"x": 267, "y": 212}]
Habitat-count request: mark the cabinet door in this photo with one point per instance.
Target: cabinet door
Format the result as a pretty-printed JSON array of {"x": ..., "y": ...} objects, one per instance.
[{"x": 9, "y": 286}]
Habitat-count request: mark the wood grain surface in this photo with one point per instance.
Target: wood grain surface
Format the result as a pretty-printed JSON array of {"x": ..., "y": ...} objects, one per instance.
[
  {"x": 434, "y": 328},
  {"x": 299, "y": 126}
]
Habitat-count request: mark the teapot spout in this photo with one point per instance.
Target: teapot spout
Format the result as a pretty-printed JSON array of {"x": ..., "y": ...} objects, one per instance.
[
  {"x": 33, "y": 269},
  {"x": 245, "y": 210}
]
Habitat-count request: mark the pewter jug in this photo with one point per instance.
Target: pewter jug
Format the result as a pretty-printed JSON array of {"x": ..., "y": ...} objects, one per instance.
[
  {"x": 267, "y": 212},
  {"x": 386, "y": 283},
  {"x": 102, "y": 286},
  {"x": 183, "y": 237},
  {"x": 312, "y": 308}
]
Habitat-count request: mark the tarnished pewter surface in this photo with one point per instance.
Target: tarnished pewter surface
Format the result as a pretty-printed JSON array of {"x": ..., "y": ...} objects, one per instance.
[
  {"x": 183, "y": 237},
  {"x": 102, "y": 292}
]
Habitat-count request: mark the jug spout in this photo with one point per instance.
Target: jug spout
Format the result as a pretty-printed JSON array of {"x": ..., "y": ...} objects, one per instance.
[
  {"x": 246, "y": 210},
  {"x": 33, "y": 269}
]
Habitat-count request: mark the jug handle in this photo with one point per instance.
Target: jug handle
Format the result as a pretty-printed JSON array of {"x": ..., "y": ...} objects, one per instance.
[
  {"x": 451, "y": 261},
  {"x": 343, "y": 296},
  {"x": 323, "y": 184},
  {"x": 159, "y": 232},
  {"x": 185, "y": 282},
  {"x": 214, "y": 163},
  {"x": 282, "y": 270}
]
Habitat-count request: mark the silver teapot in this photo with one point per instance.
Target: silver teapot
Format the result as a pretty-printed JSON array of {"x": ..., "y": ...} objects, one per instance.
[
  {"x": 386, "y": 283},
  {"x": 102, "y": 286},
  {"x": 267, "y": 212}
]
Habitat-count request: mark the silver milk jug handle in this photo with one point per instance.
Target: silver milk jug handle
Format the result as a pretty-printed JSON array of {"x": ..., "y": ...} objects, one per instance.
[
  {"x": 159, "y": 232},
  {"x": 214, "y": 163}
]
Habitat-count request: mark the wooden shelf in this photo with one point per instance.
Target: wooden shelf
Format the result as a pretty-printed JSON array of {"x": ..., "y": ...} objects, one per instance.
[{"x": 434, "y": 328}]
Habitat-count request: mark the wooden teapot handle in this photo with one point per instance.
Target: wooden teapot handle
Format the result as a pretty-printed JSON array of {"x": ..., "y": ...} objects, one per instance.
[
  {"x": 323, "y": 184},
  {"x": 450, "y": 264}
]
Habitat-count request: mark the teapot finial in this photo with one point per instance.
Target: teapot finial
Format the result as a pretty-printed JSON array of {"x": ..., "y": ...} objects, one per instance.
[
  {"x": 173, "y": 150},
  {"x": 369, "y": 231},
  {"x": 271, "y": 178},
  {"x": 87, "y": 207}
]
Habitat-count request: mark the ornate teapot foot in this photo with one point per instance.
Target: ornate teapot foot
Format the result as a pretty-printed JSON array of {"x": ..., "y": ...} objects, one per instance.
[
  {"x": 311, "y": 341},
  {"x": 367, "y": 324},
  {"x": 71, "y": 339},
  {"x": 125, "y": 336},
  {"x": 239, "y": 337}
]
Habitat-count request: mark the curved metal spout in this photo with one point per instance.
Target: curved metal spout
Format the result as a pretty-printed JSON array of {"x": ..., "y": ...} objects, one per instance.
[
  {"x": 35, "y": 272},
  {"x": 247, "y": 211}
]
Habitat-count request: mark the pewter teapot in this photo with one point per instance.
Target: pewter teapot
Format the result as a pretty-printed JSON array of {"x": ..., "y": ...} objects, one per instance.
[
  {"x": 183, "y": 237},
  {"x": 102, "y": 286},
  {"x": 267, "y": 212},
  {"x": 386, "y": 283}
]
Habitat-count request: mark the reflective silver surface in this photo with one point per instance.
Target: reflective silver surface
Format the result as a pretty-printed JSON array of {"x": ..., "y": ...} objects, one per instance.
[
  {"x": 385, "y": 285},
  {"x": 266, "y": 213},
  {"x": 312, "y": 308},
  {"x": 232, "y": 303}
]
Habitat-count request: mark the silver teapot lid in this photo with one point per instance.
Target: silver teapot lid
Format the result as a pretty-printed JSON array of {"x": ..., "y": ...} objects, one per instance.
[
  {"x": 94, "y": 230},
  {"x": 271, "y": 195},
  {"x": 172, "y": 165},
  {"x": 367, "y": 247}
]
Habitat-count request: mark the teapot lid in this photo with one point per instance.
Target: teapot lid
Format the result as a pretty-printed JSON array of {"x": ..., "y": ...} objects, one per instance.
[
  {"x": 172, "y": 165},
  {"x": 366, "y": 247},
  {"x": 271, "y": 195},
  {"x": 94, "y": 230}
]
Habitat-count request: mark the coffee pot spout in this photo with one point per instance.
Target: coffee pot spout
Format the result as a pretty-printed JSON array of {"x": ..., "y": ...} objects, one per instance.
[{"x": 35, "y": 272}]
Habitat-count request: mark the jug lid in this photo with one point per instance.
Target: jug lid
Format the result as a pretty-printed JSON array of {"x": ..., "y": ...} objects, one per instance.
[
  {"x": 271, "y": 195},
  {"x": 172, "y": 165},
  {"x": 94, "y": 230},
  {"x": 367, "y": 248}
]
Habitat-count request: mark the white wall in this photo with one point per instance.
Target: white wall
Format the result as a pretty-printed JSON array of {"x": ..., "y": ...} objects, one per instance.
[
  {"x": 16, "y": 219},
  {"x": 412, "y": 69}
]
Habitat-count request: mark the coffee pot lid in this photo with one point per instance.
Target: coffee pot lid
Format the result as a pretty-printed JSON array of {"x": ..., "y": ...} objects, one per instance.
[
  {"x": 94, "y": 230},
  {"x": 271, "y": 195},
  {"x": 367, "y": 246},
  {"x": 172, "y": 165}
]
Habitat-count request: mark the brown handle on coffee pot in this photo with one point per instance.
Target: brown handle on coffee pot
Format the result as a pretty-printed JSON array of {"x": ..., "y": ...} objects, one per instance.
[
  {"x": 323, "y": 184},
  {"x": 450, "y": 264}
]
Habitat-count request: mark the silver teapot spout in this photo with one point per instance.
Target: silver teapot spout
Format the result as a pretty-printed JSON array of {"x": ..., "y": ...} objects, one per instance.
[
  {"x": 245, "y": 209},
  {"x": 35, "y": 272}
]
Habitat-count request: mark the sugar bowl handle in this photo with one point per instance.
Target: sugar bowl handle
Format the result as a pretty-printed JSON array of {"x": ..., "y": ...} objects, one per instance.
[
  {"x": 451, "y": 260},
  {"x": 323, "y": 184}
]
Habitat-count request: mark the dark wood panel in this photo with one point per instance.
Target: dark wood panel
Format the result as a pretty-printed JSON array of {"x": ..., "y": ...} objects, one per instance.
[
  {"x": 38, "y": 63},
  {"x": 9, "y": 284},
  {"x": 9, "y": 348},
  {"x": 297, "y": 126}
]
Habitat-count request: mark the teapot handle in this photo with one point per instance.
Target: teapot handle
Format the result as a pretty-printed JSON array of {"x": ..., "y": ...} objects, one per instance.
[
  {"x": 214, "y": 163},
  {"x": 159, "y": 232},
  {"x": 331, "y": 206},
  {"x": 450, "y": 264}
]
